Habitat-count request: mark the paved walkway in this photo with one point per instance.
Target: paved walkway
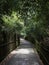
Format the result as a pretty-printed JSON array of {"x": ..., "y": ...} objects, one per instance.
[{"x": 25, "y": 54}]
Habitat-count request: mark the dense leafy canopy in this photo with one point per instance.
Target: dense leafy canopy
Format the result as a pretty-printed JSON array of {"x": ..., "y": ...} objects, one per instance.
[{"x": 30, "y": 17}]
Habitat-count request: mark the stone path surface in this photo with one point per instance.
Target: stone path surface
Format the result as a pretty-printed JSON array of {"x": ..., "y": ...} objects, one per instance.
[{"x": 25, "y": 54}]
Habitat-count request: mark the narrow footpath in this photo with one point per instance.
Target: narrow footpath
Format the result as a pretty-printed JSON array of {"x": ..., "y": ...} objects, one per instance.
[{"x": 25, "y": 54}]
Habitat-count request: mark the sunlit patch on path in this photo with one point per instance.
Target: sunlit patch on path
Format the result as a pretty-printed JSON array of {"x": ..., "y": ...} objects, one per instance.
[
  {"x": 25, "y": 54},
  {"x": 23, "y": 51}
]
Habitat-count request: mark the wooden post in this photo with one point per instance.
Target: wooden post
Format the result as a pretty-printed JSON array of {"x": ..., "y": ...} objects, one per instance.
[{"x": 18, "y": 40}]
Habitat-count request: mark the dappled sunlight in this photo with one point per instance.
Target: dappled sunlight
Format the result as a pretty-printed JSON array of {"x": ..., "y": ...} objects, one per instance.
[
  {"x": 23, "y": 51},
  {"x": 21, "y": 39},
  {"x": 36, "y": 63},
  {"x": 13, "y": 20}
]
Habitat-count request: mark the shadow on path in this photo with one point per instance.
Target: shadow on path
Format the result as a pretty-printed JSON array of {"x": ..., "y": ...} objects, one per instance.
[{"x": 25, "y": 54}]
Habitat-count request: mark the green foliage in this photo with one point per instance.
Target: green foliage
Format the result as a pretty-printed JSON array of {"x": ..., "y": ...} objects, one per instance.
[
  {"x": 39, "y": 21},
  {"x": 13, "y": 22},
  {"x": 28, "y": 17}
]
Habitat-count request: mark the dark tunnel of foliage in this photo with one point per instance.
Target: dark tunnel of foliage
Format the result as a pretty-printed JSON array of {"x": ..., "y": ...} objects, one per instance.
[{"x": 29, "y": 18}]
